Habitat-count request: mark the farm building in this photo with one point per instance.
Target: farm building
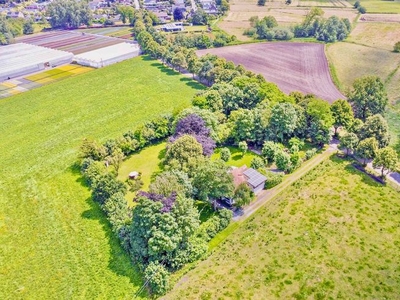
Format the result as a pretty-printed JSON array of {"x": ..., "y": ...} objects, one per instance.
[
  {"x": 22, "y": 59},
  {"x": 172, "y": 27},
  {"x": 253, "y": 178},
  {"x": 108, "y": 55}
]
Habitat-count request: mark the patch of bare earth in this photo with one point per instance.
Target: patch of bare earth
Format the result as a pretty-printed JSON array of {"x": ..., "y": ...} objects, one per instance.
[{"x": 292, "y": 66}]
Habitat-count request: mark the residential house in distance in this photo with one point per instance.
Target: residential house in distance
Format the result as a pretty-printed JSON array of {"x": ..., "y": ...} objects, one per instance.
[
  {"x": 173, "y": 27},
  {"x": 254, "y": 179},
  {"x": 15, "y": 14}
]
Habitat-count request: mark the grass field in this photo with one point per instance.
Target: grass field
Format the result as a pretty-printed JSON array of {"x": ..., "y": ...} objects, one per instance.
[
  {"x": 54, "y": 241},
  {"x": 237, "y": 159},
  {"x": 381, "y": 6},
  {"x": 319, "y": 239},
  {"x": 146, "y": 162}
]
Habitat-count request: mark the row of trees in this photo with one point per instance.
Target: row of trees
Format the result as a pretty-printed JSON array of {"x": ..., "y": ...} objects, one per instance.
[{"x": 314, "y": 25}]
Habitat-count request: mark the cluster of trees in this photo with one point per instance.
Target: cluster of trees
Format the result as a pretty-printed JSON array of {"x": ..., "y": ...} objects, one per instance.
[
  {"x": 10, "y": 28},
  {"x": 314, "y": 25},
  {"x": 267, "y": 28},
  {"x": 69, "y": 13},
  {"x": 328, "y": 30},
  {"x": 367, "y": 132}
]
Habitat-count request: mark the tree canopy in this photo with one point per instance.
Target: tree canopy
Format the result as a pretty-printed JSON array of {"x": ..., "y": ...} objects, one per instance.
[
  {"x": 368, "y": 97},
  {"x": 69, "y": 13}
]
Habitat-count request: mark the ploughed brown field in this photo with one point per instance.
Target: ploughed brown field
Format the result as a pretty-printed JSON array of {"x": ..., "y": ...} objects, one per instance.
[{"x": 292, "y": 66}]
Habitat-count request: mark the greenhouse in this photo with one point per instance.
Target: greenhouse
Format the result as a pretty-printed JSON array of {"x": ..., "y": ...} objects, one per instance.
[
  {"x": 22, "y": 59},
  {"x": 108, "y": 55}
]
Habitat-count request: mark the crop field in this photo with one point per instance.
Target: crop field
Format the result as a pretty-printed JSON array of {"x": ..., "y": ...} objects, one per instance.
[
  {"x": 20, "y": 85},
  {"x": 119, "y": 32},
  {"x": 334, "y": 234},
  {"x": 241, "y": 11},
  {"x": 54, "y": 240},
  {"x": 292, "y": 66},
  {"x": 70, "y": 41}
]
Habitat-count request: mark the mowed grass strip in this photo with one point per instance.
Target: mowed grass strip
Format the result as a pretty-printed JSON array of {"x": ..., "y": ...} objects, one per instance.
[
  {"x": 332, "y": 234},
  {"x": 54, "y": 241}
]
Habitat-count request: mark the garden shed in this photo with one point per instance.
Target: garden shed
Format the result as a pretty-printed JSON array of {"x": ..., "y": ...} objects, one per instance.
[
  {"x": 21, "y": 59},
  {"x": 107, "y": 56},
  {"x": 254, "y": 179}
]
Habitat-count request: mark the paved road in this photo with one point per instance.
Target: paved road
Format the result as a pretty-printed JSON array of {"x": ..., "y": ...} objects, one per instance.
[{"x": 267, "y": 195}]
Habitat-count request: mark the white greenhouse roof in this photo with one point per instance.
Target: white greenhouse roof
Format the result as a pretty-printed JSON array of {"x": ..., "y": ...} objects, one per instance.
[
  {"x": 108, "y": 55},
  {"x": 21, "y": 59}
]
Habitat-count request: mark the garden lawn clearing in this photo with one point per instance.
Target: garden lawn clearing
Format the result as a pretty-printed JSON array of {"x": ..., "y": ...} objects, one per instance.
[
  {"x": 334, "y": 233},
  {"x": 54, "y": 240},
  {"x": 292, "y": 66},
  {"x": 147, "y": 162},
  {"x": 237, "y": 159}
]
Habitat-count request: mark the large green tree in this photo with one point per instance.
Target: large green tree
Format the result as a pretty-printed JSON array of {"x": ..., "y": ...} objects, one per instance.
[
  {"x": 342, "y": 114},
  {"x": 367, "y": 149},
  {"x": 320, "y": 120},
  {"x": 183, "y": 152},
  {"x": 386, "y": 159},
  {"x": 349, "y": 141},
  {"x": 368, "y": 97},
  {"x": 212, "y": 180},
  {"x": 376, "y": 126},
  {"x": 283, "y": 122},
  {"x": 173, "y": 181}
]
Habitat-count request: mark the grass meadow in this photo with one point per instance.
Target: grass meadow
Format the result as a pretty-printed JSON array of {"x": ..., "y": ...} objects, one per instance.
[
  {"x": 322, "y": 238},
  {"x": 237, "y": 158},
  {"x": 54, "y": 241}
]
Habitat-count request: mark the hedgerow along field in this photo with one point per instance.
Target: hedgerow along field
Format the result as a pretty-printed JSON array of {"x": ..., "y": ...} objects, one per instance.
[
  {"x": 54, "y": 241},
  {"x": 333, "y": 234}
]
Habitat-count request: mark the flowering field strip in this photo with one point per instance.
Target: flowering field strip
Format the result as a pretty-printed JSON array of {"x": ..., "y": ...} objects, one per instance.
[{"x": 16, "y": 86}]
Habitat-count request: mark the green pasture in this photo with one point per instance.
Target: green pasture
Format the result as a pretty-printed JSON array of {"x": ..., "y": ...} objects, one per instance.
[
  {"x": 237, "y": 159},
  {"x": 55, "y": 242},
  {"x": 381, "y": 6},
  {"x": 333, "y": 234},
  {"x": 147, "y": 162}
]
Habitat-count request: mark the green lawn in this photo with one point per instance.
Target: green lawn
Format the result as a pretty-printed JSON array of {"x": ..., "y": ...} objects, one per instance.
[
  {"x": 54, "y": 241},
  {"x": 334, "y": 234},
  {"x": 237, "y": 159},
  {"x": 146, "y": 162}
]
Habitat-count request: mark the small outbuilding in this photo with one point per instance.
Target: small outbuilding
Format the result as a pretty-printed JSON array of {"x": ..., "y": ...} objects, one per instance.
[{"x": 254, "y": 179}]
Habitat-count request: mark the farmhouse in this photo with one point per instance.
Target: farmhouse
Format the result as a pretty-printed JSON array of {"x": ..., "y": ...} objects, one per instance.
[{"x": 254, "y": 179}]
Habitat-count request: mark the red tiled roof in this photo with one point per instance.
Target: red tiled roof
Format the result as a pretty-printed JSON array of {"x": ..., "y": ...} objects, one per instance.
[{"x": 238, "y": 176}]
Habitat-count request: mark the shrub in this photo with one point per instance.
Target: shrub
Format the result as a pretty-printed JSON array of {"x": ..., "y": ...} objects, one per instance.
[
  {"x": 225, "y": 154},
  {"x": 397, "y": 47},
  {"x": 283, "y": 161},
  {"x": 257, "y": 163},
  {"x": 158, "y": 278},
  {"x": 106, "y": 186},
  {"x": 269, "y": 150},
  {"x": 310, "y": 153},
  {"x": 283, "y": 34},
  {"x": 357, "y": 4},
  {"x": 273, "y": 179}
]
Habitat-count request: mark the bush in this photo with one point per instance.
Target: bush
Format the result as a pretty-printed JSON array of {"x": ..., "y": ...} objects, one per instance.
[
  {"x": 215, "y": 224},
  {"x": 357, "y": 4},
  {"x": 106, "y": 186},
  {"x": 397, "y": 47},
  {"x": 283, "y": 34},
  {"x": 158, "y": 278},
  {"x": 362, "y": 10},
  {"x": 283, "y": 162},
  {"x": 225, "y": 154},
  {"x": 257, "y": 163},
  {"x": 269, "y": 150},
  {"x": 273, "y": 179},
  {"x": 310, "y": 153}
]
